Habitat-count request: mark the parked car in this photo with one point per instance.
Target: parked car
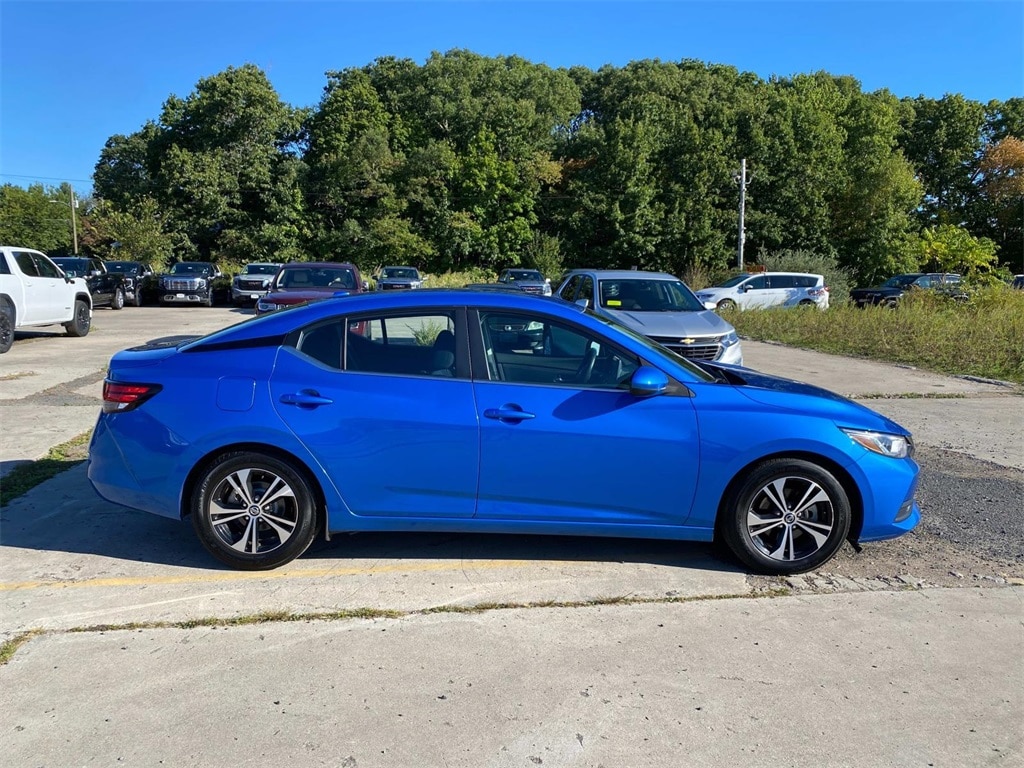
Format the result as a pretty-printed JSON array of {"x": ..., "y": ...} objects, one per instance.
[
  {"x": 767, "y": 289},
  {"x": 658, "y": 305},
  {"x": 35, "y": 293},
  {"x": 303, "y": 282},
  {"x": 138, "y": 280},
  {"x": 292, "y": 424},
  {"x": 527, "y": 280},
  {"x": 189, "y": 282},
  {"x": 892, "y": 290},
  {"x": 1018, "y": 282},
  {"x": 106, "y": 288},
  {"x": 252, "y": 282},
  {"x": 399, "y": 279}
]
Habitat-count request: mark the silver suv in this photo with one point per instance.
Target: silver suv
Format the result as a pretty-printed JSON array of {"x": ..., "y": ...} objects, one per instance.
[
  {"x": 659, "y": 306},
  {"x": 767, "y": 289}
]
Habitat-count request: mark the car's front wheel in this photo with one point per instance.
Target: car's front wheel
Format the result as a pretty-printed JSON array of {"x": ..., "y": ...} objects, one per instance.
[
  {"x": 81, "y": 321},
  {"x": 786, "y": 516},
  {"x": 117, "y": 302},
  {"x": 253, "y": 511},
  {"x": 6, "y": 332},
  {"x": 727, "y": 304}
]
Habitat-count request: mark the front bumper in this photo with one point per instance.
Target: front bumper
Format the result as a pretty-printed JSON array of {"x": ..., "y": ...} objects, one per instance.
[{"x": 184, "y": 297}]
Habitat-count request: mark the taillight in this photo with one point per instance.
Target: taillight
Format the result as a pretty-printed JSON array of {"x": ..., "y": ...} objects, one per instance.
[{"x": 118, "y": 397}]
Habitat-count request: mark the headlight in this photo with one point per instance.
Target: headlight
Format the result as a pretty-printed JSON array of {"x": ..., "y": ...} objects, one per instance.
[
  {"x": 730, "y": 338},
  {"x": 265, "y": 306},
  {"x": 893, "y": 446},
  {"x": 201, "y": 283}
]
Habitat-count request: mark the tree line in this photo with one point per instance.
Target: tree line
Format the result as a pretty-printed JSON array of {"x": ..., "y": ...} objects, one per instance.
[{"x": 467, "y": 161}]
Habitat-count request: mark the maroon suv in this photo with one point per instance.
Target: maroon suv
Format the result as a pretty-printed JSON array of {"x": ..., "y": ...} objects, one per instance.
[{"x": 303, "y": 282}]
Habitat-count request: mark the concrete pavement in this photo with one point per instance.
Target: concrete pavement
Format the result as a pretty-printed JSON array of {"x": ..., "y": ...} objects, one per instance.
[{"x": 926, "y": 678}]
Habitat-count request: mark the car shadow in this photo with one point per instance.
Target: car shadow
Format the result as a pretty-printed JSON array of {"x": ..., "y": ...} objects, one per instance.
[{"x": 65, "y": 514}]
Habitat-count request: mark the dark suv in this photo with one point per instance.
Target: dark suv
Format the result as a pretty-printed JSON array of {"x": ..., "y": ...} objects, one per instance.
[
  {"x": 107, "y": 288},
  {"x": 189, "y": 282},
  {"x": 138, "y": 278},
  {"x": 893, "y": 289}
]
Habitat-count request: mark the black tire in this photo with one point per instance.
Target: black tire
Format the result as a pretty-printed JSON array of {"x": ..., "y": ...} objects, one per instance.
[
  {"x": 6, "y": 332},
  {"x": 806, "y": 303},
  {"x": 802, "y": 537},
  {"x": 81, "y": 322},
  {"x": 241, "y": 532},
  {"x": 137, "y": 298},
  {"x": 117, "y": 300},
  {"x": 727, "y": 304},
  {"x": 208, "y": 301}
]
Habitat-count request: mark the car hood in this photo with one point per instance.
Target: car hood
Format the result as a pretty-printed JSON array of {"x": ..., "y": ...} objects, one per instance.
[
  {"x": 803, "y": 398},
  {"x": 702, "y": 323},
  {"x": 286, "y": 296}
]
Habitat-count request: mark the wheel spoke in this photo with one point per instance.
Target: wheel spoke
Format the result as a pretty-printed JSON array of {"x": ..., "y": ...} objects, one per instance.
[
  {"x": 815, "y": 494},
  {"x": 219, "y": 514},
  {"x": 283, "y": 527},
  {"x": 776, "y": 493},
  {"x": 820, "y": 536},
  {"x": 787, "y": 540},
  {"x": 243, "y": 540},
  {"x": 758, "y": 525},
  {"x": 273, "y": 495},
  {"x": 239, "y": 482}
]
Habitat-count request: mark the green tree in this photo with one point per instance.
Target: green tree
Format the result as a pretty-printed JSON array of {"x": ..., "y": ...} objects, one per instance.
[
  {"x": 948, "y": 248},
  {"x": 135, "y": 235},
  {"x": 38, "y": 217}
]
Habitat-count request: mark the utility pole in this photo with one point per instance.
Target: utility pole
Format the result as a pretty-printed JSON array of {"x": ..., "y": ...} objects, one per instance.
[
  {"x": 74, "y": 222},
  {"x": 742, "y": 177}
]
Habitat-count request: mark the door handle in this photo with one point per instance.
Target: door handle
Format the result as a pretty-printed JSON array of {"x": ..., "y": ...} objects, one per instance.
[
  {"x": 509, "y": 413},
  {"x": 307, "y": 398}
]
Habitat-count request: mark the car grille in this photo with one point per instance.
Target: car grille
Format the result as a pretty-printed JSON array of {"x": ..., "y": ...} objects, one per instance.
[
  {"x": 395, "y": 286},
  {"x": 707, "y": 348},
  {"x": 532, "y": 289},
  {"x": 181, "y": 285},
  {"x": 251, "y": 285}
]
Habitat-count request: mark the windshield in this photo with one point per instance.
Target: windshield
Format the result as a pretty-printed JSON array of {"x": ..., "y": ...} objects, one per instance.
[
  {"x": 73, "y": 267},
  {"x": 532, "y": 275},
  {"x": 311, "y": 278},
  {"x": 260, "y": 269},
  {"x": 646, "y": 295},
  {"x": 900, "y": 281},
  {"x": 734, "y": 281},
  {"x": 401, "y": 272},
  {"x": 121, "y": 267},
  {"x": 190, "y": 268}
]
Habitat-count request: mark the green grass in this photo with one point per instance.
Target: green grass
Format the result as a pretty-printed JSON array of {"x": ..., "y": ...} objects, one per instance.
[
  {"x": 24, "y": 477},
  {"x": 983, "y": 337}
]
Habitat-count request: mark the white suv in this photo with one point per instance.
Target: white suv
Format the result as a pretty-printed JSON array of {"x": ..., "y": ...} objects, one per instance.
[{"x": 767, "y": 289}]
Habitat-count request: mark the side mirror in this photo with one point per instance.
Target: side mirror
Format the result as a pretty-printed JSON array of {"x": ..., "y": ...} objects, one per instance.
[
  {"x": 583, "y": 302},
  {"x": 648, "y": 382},
  {"x": 95, "y": 273}
]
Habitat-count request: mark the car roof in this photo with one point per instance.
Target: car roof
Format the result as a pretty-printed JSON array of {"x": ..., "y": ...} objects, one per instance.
[
  {"x": 623, "y": 274},
  {"x": 307, "y": 264}
]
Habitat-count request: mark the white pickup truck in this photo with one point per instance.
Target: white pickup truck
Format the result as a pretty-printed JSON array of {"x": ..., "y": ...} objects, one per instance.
[{"x": 34, "y": 292}]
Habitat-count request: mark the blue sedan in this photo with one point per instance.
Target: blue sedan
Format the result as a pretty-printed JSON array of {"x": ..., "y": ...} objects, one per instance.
[{"x": 487, "y": 411}]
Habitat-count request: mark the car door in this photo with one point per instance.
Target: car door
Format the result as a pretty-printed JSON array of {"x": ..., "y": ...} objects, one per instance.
[
  {"x": 44, "y": 289},
  {"x": 386, "y": 406},
  {"x": 755, "y": 293},
  {"x": 561, "y": 437}
]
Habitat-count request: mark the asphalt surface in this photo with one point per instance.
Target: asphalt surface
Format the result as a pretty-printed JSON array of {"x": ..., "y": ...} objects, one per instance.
[{"x": 621, "y": 652}]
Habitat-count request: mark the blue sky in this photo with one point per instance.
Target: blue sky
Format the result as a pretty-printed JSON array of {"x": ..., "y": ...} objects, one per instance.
[{"x": 72, "y": 74}]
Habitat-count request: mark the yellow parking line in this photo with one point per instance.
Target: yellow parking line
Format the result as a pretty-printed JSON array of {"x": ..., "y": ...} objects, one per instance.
[{"x": 206, "y": 578}]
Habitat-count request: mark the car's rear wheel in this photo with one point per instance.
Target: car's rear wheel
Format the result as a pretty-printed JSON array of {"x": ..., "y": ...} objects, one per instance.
[
  {"x": 117, "y": 301},
  {"x": 786, "y": 516},
  {"x": 253, "y": 511},
  {"x": 727, "y": 304},
  {"x": 81, "y": 321},
  {"x": 137, "y": 298}
]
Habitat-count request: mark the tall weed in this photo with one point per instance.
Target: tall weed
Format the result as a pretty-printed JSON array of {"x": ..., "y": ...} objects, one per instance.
[{"x": 983, "y": 336}]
